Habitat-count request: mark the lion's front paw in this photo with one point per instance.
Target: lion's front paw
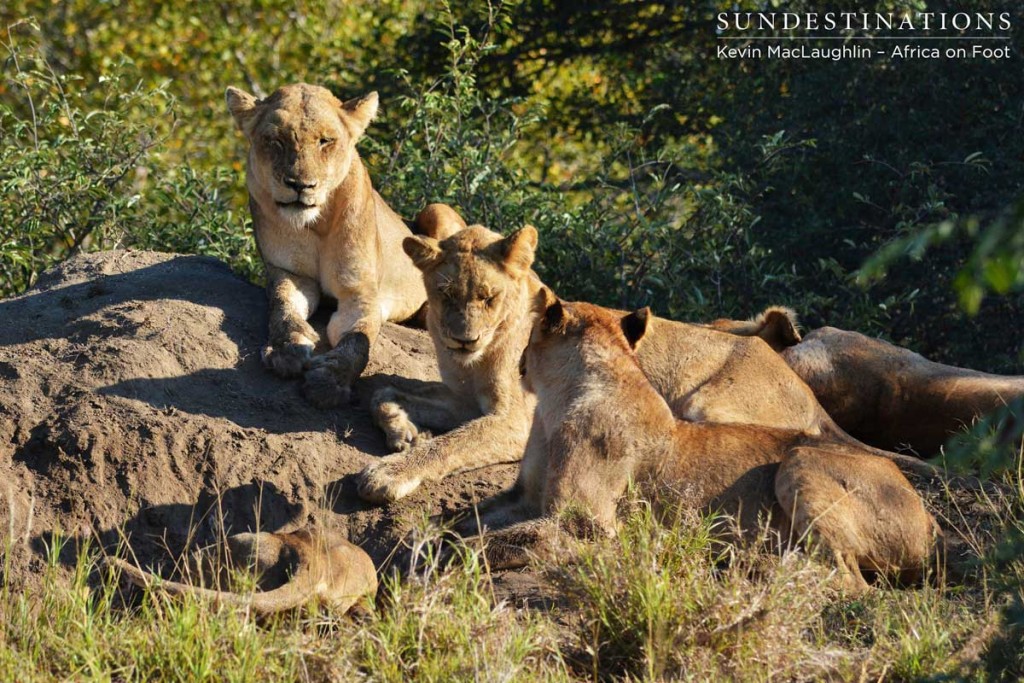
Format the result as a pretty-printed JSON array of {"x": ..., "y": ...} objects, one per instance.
[
  {"x": 325, "y": 387},
  {"x": 387, "y": 481},
  {"x": 401, "y": 437},
  {"x": 400, "y": 433},
  {"x": 287, "y": 360},
  {"x": 329, "y": 377}
]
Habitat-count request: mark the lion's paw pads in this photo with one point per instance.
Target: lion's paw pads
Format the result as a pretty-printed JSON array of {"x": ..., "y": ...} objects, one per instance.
[
  {"x": 400, "y": 433},
  {"x": 407, "y": 440},
  {"x": 287, "y": 360},
  {"x": 323, "y": 388}
]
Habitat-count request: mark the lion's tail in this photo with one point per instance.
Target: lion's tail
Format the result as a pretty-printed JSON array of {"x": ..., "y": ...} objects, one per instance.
[{"x": 298, "y": 591}]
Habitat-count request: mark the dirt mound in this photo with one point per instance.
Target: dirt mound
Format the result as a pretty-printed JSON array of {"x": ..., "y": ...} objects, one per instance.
[{"x": 133, "y": 403}]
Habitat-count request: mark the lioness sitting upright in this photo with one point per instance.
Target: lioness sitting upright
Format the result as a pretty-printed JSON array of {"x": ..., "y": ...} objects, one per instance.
[
  {"x": 480, "y": 286},
  {"x": 605, "y": 425},
  {"x": 321, "y": 228}
]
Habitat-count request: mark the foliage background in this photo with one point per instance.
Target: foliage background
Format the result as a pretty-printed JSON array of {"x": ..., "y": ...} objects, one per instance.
[{"x": 657, "y": 173}]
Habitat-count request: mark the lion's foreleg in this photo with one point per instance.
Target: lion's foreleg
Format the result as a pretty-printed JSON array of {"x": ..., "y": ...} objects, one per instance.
[
  {"x": 352, "y": 330},
  {"x": 533, "y": 477},
  {"x": 488, "y": 440},
  {"x": 403, "y": 414},
  {"x": 293, "y": 298}
]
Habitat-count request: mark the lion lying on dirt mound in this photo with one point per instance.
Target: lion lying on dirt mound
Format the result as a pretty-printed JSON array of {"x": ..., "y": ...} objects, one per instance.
[
  {"x": 885, "y": 395},
  {"x": 480, "y": 287},
  {"x": 322, "y": 567},
  {"x": 321, "y": 228},
  {"x": 605, "y": 426}
]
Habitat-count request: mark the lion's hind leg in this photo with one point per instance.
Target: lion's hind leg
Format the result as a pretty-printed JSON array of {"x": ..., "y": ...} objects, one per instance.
[{"x": 857, "y": 509}]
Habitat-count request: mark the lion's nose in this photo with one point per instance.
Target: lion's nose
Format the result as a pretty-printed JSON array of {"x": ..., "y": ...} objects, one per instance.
[{"x": 300, "y": 185}]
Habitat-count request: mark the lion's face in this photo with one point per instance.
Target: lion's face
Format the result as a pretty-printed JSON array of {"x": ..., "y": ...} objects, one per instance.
[
  {"x": 474, "y": 283},
  {"x": 302, "y": 142}
]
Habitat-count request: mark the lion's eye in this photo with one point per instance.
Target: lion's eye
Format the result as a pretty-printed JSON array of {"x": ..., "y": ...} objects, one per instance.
[
  {"x": 326, "y": 142},
  {"x": 489, "y": 300},
  {"x": 275, "y": 144}
]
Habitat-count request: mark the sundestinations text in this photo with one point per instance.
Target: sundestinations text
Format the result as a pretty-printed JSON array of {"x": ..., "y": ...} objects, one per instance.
[{"x": 863, "y": 21}]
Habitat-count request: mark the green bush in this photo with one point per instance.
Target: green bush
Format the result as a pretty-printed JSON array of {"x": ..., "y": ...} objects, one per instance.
[
  {"x": 704, "y": 188},
  {"x": 77, "y": 179}
]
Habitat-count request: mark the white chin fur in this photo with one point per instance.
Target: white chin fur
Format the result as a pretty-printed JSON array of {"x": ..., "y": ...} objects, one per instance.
[
  {"x": 299, "y": 218},
  {"x": 468, "y": 358}
]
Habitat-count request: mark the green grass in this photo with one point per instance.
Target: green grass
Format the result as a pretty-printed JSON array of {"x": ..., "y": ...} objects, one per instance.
[
  {"x": 440, "y": 627},
  {"x": 445, "y": 626},
  {"x": 665, "y": 603},
  {"x": 658, "y": 602}
]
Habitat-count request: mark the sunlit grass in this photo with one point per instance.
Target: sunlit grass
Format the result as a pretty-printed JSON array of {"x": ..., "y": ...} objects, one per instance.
[
  {"x": 660, "y": 601},
  {"x": 438, "y": 627},
  {"x": 667, "y": 602}
]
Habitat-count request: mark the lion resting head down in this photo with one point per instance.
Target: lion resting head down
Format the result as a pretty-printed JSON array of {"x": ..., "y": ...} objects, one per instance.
[
  {"x": 474, "y": 285},
  {"x": 885, "y": 395},
  {"x": 291, "y": 569},
  {"x": 303, "y": 140}
]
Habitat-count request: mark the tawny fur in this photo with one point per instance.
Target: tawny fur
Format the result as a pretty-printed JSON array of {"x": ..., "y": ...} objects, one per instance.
[
  {"x": 891, "y": 397},
  {"x": 884, "y": 395},
  {"x": 479, "y": 287},
  {"x": 325, "y": 568},
  {"x": 778, "y": 326},
  {"x": 605, "y": 425},
  {"x": 703, "y": 374},
  {"x": 322, "y": 229}
]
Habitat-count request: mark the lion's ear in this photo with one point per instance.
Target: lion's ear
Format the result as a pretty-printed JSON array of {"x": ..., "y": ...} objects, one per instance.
[
  {"x": 634, "y": 325},
  {"x": 517, "y": 250},
  {"x": 361, "y": 111},
  {"x": 542, "y": 300},
  {"x": 439, "y": 221},
  {"x": 242, "y": 106},
  {"x": 554, "y": 316},
  {"x": 424, "y": 251},
  {"x": 779, "y": 327},
  {"x": 776, "y": 325}
]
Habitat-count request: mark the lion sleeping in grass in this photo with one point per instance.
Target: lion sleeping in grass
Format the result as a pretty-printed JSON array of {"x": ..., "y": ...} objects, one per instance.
[
  {"x": 885, "y": 395},
  {"x": 307, "y": 567}
]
